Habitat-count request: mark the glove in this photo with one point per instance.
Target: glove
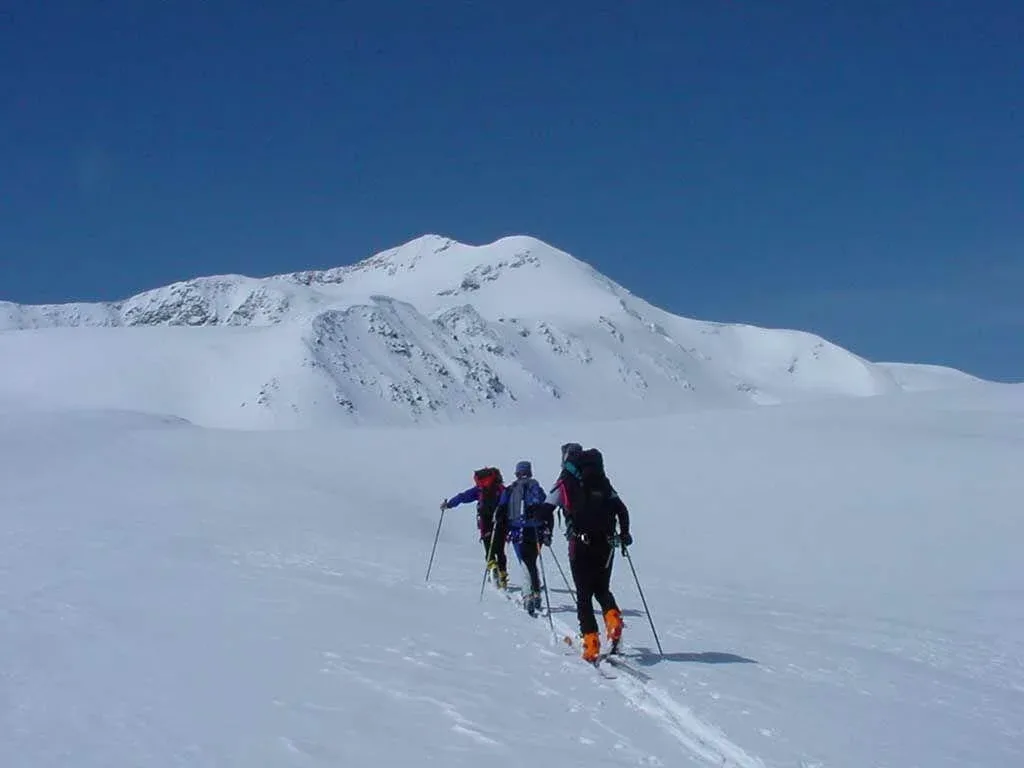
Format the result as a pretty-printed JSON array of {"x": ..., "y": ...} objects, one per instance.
[
  {"x": 625, "y": 539},
  {"x": 545, "y": 538},
  {"x": 444, "y": 504}
]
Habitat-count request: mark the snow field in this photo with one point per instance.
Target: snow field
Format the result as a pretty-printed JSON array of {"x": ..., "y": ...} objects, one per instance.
[{"x": 835, "y": 584}]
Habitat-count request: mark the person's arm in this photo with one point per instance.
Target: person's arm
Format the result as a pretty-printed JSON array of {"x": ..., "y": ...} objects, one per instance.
[
  {"x": 467, "y": 496},
  {"x": 622, "y": 513},
  {"x": 537, "y": 506},
  {"x": 555, "y": 499}
]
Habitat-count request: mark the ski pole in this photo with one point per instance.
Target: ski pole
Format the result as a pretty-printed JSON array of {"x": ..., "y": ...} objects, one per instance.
[
  {"x": 434, "y": 549},
  {"x": 543, "y": 575},
  {"x": 567, "y": 586},
  {"x": 490, "y": 553},
  {"x": 614, "y": 542},
  {"x": 641, "y": 591}
]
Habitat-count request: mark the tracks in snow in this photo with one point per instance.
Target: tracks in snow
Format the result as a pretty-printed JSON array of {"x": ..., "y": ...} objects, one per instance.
[{"x": 702, "y": 740}]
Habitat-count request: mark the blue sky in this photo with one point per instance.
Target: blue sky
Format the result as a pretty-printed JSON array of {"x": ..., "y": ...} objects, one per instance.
[{"x": 856, "y": 171}]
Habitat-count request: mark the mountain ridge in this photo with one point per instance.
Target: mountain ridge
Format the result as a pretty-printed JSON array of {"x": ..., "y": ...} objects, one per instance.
[{"x": 429, "y": 330}]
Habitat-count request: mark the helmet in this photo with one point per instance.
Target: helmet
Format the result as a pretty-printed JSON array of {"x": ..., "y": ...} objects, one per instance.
[
  {"x": 524, "y": 469},
  {"x": 569, "y": 450}
]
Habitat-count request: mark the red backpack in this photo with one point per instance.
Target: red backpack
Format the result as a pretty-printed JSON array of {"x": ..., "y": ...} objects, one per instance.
[{"x": 490, "y": 483}]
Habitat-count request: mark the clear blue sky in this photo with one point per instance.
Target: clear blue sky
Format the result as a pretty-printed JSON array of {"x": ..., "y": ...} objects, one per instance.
[{"x": 855, "y": 169}]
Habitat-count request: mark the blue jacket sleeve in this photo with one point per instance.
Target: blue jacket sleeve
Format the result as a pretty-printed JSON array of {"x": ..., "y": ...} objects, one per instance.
[
  {"x": 468, "y": 495},
  {"x": 535, "y": 494},
  {"x": 540, "y": 511}
]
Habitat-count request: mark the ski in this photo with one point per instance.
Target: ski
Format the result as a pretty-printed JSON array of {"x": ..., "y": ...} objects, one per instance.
[
  {"x": 617, "y": 661},
  {"x": 615, "y": 658}
]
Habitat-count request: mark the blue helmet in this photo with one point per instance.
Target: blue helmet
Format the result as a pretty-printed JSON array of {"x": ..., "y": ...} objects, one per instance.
[{"x": 524, "y": 469}]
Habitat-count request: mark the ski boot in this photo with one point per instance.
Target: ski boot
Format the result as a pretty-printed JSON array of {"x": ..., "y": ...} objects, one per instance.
[
  {"x": 502, "y": 580},
  {"x": 613, "y": 625},
  {"x": 591, "y": 647},
  {"x": 532, "y": 603}
]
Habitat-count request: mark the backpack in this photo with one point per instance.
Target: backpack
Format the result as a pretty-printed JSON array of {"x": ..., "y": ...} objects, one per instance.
[
  {"x": 591, "y": 506},
  {"x": 490, "y": 483},
  {"x": 589, "y": 465},
  {"x": 487, "y": 477}
]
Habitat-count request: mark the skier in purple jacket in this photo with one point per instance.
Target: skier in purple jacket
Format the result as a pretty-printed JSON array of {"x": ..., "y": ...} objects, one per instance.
[{"x": 487, "y": 492}]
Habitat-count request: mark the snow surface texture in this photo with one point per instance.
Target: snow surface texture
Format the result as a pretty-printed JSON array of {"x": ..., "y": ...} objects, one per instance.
[
  {"x": 432, "y": 331},
  {"x": 835, "y": 584}
]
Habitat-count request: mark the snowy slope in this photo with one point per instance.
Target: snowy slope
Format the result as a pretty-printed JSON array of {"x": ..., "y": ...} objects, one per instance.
[
  {"x": 835, "y": 584},
  {"x": 431, "y": 331},
  {"x": 925, "y": 378}
]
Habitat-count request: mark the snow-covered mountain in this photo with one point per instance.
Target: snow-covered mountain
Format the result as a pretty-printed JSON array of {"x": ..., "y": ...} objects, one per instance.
[
  {"x": 433, "y": 330},
  {"x": 835, "y": 583}
]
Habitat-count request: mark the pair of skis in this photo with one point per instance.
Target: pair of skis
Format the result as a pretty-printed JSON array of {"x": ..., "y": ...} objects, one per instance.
[{"x": 615, "y": 658}]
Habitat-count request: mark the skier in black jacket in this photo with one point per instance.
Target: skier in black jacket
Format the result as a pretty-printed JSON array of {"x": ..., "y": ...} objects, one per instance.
[{"x": 592, "y": 508}]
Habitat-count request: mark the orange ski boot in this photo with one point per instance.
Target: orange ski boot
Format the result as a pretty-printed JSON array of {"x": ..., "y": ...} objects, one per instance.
[
  {"x": 613, "y": 624},
  {"x": 591, "y": 647}
]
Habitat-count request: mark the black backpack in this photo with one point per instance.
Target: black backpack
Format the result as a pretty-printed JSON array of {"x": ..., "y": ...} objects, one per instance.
[
  {"x": 591, "y": 505},
  {"x": 590, "y": 467}
]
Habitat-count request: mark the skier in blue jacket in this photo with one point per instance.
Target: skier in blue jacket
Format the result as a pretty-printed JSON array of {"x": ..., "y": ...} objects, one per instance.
[
  {"x": 487, "y": 490},
  {"x": 529, "y": 524}
]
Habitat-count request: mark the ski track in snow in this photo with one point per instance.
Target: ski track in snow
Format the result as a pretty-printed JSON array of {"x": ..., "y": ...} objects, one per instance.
[{"x": 699, "y": 739}]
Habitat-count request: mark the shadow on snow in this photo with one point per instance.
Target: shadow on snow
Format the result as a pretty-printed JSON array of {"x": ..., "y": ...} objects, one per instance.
[{"x": 648, "y": 657}]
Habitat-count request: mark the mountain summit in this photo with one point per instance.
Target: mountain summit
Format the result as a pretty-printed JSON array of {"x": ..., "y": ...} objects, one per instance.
[
  {"x": 431, "y": 272},
  {"x": 431, "y": 330}
]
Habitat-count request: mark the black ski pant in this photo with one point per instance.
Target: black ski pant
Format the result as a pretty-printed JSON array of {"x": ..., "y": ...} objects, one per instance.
[
  {"x": 498, "y": 552},
  {"x": 591, "y": 565},
  {"x": 528, "y": 551}
]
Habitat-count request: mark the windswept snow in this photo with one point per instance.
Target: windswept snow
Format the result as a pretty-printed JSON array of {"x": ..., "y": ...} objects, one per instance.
[
  {"x": 835, "y": 584},
  {"x": 433, "y": 331}
]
